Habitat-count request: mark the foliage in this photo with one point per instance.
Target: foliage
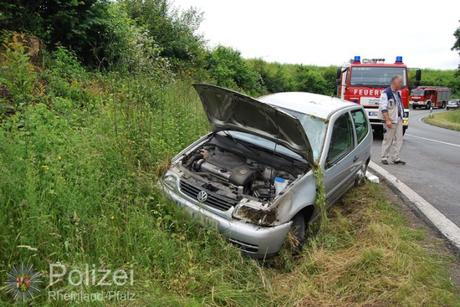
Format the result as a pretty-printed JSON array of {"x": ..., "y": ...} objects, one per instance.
[
  {"x": 174, "y": 31},
  {"x": 367, "y": 255},
  {"x": 18, "y": 79},
  {"x": 79, "y": 170},
  {"x": 81, "y": 152},
  {"x": 132, "y": 49},
  {"x": 307, "y": 80},
  {"x": 78, "y": 25},
  {"x": 78, "y": 186},
  {"x": 320, "y": 201},
  {"x": 228, "y": 69}
]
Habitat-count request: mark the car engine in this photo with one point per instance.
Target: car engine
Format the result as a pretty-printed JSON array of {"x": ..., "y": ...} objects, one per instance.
[{"x": 234, "y": 170}]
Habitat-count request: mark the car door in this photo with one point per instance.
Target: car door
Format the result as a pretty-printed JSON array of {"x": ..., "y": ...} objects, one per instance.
[
  {"x": 338, "y": 174},
  {"x": 362, "y": 128}
]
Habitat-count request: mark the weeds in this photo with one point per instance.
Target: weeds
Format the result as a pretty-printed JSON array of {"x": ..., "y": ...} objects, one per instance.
[{"x": 78, "y": 186}]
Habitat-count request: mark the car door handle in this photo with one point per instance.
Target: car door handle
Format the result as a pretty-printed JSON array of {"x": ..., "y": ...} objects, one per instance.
[{"x": 355, "y": 159}]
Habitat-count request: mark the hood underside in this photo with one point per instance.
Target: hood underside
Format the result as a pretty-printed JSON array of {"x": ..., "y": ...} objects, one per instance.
[{"x": 229, "y": 110}]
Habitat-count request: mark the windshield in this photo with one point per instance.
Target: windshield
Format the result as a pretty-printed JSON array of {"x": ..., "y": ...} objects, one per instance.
[
  {"x": 376, "y": 76},
  {"x": 314, "y": 127},
  {"x": 417, "y": 93}
]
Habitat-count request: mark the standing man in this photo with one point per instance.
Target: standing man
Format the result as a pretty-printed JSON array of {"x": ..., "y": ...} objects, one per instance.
[{"x": 392, "y": 112}]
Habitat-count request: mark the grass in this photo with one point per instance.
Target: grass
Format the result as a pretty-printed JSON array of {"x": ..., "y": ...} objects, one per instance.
[
  {"x": 367, "y": 255},
  {"x": 79, "y": 160},
  {"x": 448, "y": 120}
]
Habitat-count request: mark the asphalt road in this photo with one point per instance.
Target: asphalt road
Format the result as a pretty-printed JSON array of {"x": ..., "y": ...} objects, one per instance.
[{"x": 433, "y": 164}]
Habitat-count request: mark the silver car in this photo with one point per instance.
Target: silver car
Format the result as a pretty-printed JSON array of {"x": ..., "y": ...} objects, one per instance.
[
  {"x": 453, "y": 104},
  {"x": 252, "y": 176}
]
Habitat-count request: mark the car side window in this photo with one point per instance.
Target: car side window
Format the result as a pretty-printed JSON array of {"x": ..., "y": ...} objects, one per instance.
[
  {"x": 341, "y": 141},
  {"x": 361, "y": 125}
]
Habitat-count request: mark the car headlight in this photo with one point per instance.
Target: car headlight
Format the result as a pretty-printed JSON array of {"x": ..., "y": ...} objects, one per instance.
[
  {"x": 262, "y": 216},
  {"x": 170, "y": 181}
]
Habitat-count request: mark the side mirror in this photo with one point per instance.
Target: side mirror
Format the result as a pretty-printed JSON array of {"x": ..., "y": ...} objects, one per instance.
[
  {"x": 418, "y": 77},
  {"x": 338, "y": 76}
]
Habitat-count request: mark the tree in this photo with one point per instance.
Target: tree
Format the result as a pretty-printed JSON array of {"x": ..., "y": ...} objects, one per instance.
[
  {"x": 308, "y": 80},
  {"x": 456, "y": 46},
  {"x": 78, "y": 25},
  {"x": 229, "y": 69},
  {"x": 173, "y": 31},
  {"x": 457, "y": 42}
]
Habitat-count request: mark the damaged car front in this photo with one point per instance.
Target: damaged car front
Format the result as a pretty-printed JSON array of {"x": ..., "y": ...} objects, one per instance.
[{"x": 252, "y": 176}]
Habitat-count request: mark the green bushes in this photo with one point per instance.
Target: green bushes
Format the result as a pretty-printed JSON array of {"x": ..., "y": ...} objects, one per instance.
[
  {"x": 228, "y": 69},
  {"x": 78, "y": 25},
  {"x": 174, "y": 31},
  {"x": 17, "y": 75}
]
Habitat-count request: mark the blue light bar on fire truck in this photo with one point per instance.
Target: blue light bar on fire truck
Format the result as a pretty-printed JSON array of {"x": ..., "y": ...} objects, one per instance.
[{"x": 399, "y": 59}]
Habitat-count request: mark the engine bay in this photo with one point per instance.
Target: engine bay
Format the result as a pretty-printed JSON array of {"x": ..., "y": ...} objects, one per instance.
[{"x": 236, "y": 169}]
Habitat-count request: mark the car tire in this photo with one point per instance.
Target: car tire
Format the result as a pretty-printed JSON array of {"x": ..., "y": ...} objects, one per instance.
[{"x": 298, "y": 233}]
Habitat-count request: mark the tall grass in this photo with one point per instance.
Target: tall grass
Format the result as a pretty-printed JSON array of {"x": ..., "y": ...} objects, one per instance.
[
  {"x": 78, "y": 185},
  {"x": 78, "y": 173}
]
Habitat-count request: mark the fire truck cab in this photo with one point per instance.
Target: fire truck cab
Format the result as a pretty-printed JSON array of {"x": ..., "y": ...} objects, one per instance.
[
  {"x": 429, "y": 96},
  {"x": 362, "y": 82}
]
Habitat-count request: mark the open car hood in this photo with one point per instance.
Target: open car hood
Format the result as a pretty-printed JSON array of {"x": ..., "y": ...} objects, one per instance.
[{"x": 229, "y": 110}]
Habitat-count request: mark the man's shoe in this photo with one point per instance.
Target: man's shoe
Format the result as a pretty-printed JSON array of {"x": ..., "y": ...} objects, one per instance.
[
  {"x": 400, "y": 162},
  {"x": 385, "y": 162}
]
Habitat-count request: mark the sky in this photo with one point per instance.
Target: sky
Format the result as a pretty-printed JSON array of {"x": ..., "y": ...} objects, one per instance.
[{"x": 326, "y": 32}]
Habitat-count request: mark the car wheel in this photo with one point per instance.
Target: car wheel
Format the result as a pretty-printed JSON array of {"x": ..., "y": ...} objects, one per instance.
[{"x": 297, "y": 234}]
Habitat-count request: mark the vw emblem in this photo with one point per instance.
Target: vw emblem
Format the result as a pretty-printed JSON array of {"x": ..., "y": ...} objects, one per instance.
[{"x": 202, "y": 196}]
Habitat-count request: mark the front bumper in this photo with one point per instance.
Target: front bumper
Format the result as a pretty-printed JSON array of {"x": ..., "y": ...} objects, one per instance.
[
  {"x": 376, "y": 119},
  {"x": 255, "y": 241}
]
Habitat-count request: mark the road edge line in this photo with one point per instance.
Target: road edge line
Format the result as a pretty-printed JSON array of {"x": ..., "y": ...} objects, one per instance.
[{"x": 445, "y": 226}]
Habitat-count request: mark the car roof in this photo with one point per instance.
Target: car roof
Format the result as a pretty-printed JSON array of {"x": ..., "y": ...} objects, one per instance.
[{"x": 308, "y": 103}]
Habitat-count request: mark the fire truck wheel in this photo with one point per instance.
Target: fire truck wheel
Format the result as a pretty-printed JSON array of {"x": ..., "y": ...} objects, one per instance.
[
  {"x": 378, "y": 132},
  {"x": 428, "y": 105}
]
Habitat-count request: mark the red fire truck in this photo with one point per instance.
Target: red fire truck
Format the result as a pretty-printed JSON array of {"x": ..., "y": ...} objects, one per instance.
[
  {"x": 362, "y": 82},
  {"x": 429, "y": 96}
]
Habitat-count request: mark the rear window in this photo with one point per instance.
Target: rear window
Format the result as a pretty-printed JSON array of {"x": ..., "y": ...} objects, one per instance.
[{"x": 376, "y": 76}]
